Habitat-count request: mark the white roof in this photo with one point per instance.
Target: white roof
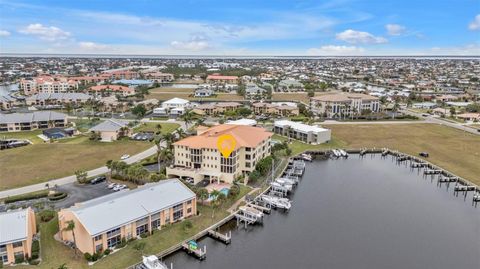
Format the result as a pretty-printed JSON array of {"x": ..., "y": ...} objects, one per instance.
[
  {"x": 176, "y": 100},
  {"x": 300, "y": 126},
  {"x": 249, "y": 122},
  {"x": 13, "y": 226},
  {"x": 111, "y": 211}
]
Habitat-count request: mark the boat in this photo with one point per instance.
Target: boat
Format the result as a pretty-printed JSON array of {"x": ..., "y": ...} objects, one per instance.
[
  {"x": 336, "y": 153},
  {"x": 306, "y": 157},
  {"x": 250, "y": 211},
  {"x": 282, "y": 187},
  {"x": 276, "y": 202},
  {"x": 343, "y": 153},
  {"x": 152, "y": 262},
  {"x": 286, "y": 181}
]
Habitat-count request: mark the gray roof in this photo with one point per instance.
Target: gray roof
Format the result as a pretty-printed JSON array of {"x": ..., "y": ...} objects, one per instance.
[
  {"x": 114, "y": 210},
  {"x": 31, "y": 117},
  {"x": 60, "y": 96},
  {"x": 13, "y": 226},
  {"x": 110, "y": 125}
]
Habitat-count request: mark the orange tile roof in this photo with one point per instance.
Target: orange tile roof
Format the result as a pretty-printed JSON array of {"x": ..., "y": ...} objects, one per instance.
[
  {"x": 222, "y": 77},
  {"x": 245, "y": 136}
]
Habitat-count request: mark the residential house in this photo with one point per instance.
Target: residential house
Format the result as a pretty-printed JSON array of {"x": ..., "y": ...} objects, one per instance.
[
  {"x": 17, "y": 230},
  {"x": 46, "y": 99},
  {"x": 290, "y": 85},
  {"x": 344, "y": 104},
  {"x": 16, "y": 122},
  {"x": 47, "y": 84},
  {"x": 112, "y": 129},
  {"x": 306, "y": 133}
]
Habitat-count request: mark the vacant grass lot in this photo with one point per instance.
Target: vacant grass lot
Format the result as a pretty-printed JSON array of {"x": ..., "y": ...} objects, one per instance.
[
  {"x": 55, "y": 254},
  {"x": 152, "y": 127},
  {"x": 31, "y": 135},
  {"x": 452, "y": 149},
  {"x": 41, "y": 162}
]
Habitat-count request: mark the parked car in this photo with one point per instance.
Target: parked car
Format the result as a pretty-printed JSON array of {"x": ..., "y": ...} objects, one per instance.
[
  {"x": 98, "y": 180},
  {"x": 112, "y": 185},
  {"x": 124, "y": 157},
  {"x": 424, "y": 154},
  {"x": 119, "y": 187}
]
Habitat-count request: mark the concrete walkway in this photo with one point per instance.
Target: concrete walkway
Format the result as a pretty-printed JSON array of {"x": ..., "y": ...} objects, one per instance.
[{"x": 235, "y": 205}]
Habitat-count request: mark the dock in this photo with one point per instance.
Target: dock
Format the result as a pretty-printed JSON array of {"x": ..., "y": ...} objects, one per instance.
[
  {"x": 265, "y": 210},
  {"x": 191, "y": 248},
  {"x": 225, "y": 238}
]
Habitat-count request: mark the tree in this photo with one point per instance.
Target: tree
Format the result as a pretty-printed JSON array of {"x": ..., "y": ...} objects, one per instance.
[
  {"x": 139, "y": 110},
  {"x": 159, "y": 128},
  {"x": 214, "y": 202},
  {"x": 244, "y": 111},
  {"x": 71, "y": 228},
  {"x": 453, "y": 111},
  {"x": 311, "y": 93},
  {"x": 158, "y": 142},
  {"x": 81, "y": 176},
  {"x": 109, "y": 165},
  {"x": 187, "y": 117},
  {"x": 202, "y": 194}
]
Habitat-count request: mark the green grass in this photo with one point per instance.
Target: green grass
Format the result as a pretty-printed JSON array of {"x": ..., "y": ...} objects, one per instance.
[
  {"x": 27, "y": 196},
  {"x": 84, "y": 124},
  {"x": 55, "y": 254},
  {"x": 152, "y": 127},
  {"x": 298, "y": 147},
  {"x": 30, "y": 135}
]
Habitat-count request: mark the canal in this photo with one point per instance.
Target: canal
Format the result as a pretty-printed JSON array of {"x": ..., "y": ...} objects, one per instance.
[{"x": 356, "y": 213}]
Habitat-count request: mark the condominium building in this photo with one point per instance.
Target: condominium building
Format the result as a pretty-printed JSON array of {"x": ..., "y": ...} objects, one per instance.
[
  {"x": 219, "y": 79},
  {"x": 112, "y": 89},
  {"x": 278, "y": 109},
  {"x": 216, "y": 108},
  {"x": 47, "y": 84},
  {"x": 198, "y": 158},
  {"x": 344, "y": 104},
  {"x": 303, "y": 132},
  {"x": 104, "y": 222},
  {"x": 16, "y": 122},
  {"x": 45, "y": 99},
  {"x": 160, "y": 77},
  {"x": 17, "y": 229}
]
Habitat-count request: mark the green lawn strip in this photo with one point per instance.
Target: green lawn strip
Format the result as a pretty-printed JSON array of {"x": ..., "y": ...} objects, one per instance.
[
  {"x": 30, "y": 135},
  {"x": 152, "y": 127}
]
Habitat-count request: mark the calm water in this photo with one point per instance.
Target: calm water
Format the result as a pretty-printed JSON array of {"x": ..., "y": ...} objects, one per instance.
[
  {"x": 356, "y": 213},
  {"x": 6, "y": 89}
]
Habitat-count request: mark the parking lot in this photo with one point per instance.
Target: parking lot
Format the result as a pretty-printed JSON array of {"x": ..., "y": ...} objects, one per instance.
[{"x": 79, "y": 193}]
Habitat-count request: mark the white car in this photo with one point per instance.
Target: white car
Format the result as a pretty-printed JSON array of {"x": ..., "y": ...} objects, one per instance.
[
  {"x": 124, "y": 157},
  {"x": 111, "y": 185},
  {"x": 119, "y": 187}
]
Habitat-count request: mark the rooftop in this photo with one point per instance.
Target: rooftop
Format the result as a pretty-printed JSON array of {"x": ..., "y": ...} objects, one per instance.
[
  {"x": 31, "y": 117},
  {"x": 114, "y": 210},
  {"x": 300, "y": 126},
  {"x": 109, "y": 125},
  {"x": 13, "y": 226}
]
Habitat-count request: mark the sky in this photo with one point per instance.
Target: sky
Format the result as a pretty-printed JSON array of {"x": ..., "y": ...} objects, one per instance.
[{"x": 242, "y": 28}]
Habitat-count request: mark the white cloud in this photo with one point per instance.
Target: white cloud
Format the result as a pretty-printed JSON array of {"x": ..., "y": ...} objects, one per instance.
[
  {"x": 475, "y": 24},
  {"x": 395, "y": 29},
  {"x": 354, "y": 37},
  {"x": 49, "y": 33},
  {"x": 4, "y": 33},
  {"x": 190, "y": 45},
  {"x": 92, "y": 46},
  {"x": 332, "y": 50}
]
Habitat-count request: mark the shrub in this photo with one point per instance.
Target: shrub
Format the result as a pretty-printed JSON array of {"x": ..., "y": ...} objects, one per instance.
[
  {"x": 35, "y": 250},
  {"x": 28, "y": 196},
  {"x": 234, "y": 191},
  {"x": 121, "y": 244},
  {"x": 33, "y": 262},
  {"x": 144, "y": 235},
  {"x": 47, "y": 215},
  {"x": 106, "y": 252},
  {"x": 57, "y": 196},
  {"x": 88, "y": 256},
  {"x": 19, "y": 259},
  {"x": 187, "y": 225}
]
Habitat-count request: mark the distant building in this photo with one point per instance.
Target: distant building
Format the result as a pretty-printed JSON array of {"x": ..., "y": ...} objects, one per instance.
[
  {"x": 424, "y": 105},
  {"x": 217, "y": 79},
  {"x": 186, "y": 65},
  {"x": 277, "y": 109},
  {"x": 102, "y": 223},
  {"x": 112, "y": 129},
  {"x": 16, "y": 122},
  {"x": 306, "y": 133},
  {"x": 47, "y": 84},
  {"x": 254, "y": 91},
  {"x": 134, "y": 82},
  {"x": 17, "y": 229},
  {"x": 203, "y": 92},
  {"x": 112, "y": 89},
  {"x": 160, "y": 77},
  {"x": 344, "y": 104},
  {"x": 247, "y": 122},
  {"x": 216, "y": 108},
  {"x": 290, "y": 85},
  {"x": 122, "y": 74},
  {"x": 198, "y": 157},
  {"x": 45, "y": 99}
]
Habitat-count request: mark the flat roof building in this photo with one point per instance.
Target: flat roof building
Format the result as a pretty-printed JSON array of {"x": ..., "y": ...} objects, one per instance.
[
  {"x": 306, "y": 133},
  {"x": 17, "y": 229},
  {"x": 104, "y": 222}
]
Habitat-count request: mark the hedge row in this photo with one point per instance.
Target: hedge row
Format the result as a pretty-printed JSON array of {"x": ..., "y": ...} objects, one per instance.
[
  {"x": 57, "y": 196},
  {"x": 28, "y": 196}
]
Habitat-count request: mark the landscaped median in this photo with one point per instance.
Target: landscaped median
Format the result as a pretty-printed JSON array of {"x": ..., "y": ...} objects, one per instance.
[{"x": 54, "y": 253}]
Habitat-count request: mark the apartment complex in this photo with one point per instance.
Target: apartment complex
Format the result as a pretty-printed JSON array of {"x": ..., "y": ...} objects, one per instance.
[
  {"x": 303, "y": 132},
  {"x": 104, "y": 222},
  {"x": 216, "y": 108},
  {"x": 160, "y": 77},
  {"x": 47, "y": 84},
  {"x": 16, "y": 122},
  {"x": 115, "y": 89},
  {"x": 198, "y": 157},
  {"x": 17, "y": 229},
  {"x": 277, "y": 109},
  {"x": 344, "y": 104},
  {"x": 45, "y": 99},
  {"x": 220, "y": 80}
]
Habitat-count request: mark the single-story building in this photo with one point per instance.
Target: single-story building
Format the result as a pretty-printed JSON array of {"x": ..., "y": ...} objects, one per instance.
[
  {"x": 17, "y": 229},
  {"x": 15, "y": 122},
  {"x": 112, "y": 129},
  {"x": 102, "y": 223}
]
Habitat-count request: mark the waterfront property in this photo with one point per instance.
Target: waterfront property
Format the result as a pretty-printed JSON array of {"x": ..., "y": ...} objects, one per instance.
[
  {"x": 47, "y": 84},
  {"x": 16, "y": 122},
  {"x": 216, "y": 108},
  {"x": 112, "y": 89},
  {"x": 344, "y": 104},
  {"x": 276, "y": 109},
  {"x": 17, "y": 229},
  {"x": 303, "y": 132},
  {"x": 198, "y": 158},
  {"x": 102, "y": 223},
  {"x": 111, "y": 129},
  {"x": 46, "y": 99}
]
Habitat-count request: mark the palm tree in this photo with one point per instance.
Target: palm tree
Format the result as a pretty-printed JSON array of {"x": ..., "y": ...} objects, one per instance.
[
  {"x": 169, "y": 138},
  {"x": 71, "y": 227},
  {"x": 180, "y": 133},
  {"x": 202, "y": 194},
  {"x": 215, "y": 194},
  {"x": 159, "y": 128},
  {"x": 165, "y": 155},
  {"x": 109, "y": 165},
  {"x": 187, "y": 117},
  {"x": 158, "y": 142}
]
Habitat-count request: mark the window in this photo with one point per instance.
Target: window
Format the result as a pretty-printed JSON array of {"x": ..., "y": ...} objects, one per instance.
[
  {"x": 4, "y": 258},
  {"x": 167, "y": 216},
  {"x": 142, "y": 229},
  {"x": 113, "y": 232},
  {"x": 189, "y": 202},
  {"x": 177, "y": 212},
  {"x": 155, "y": 224},
  {"x": 112, "y": 242},
  {"x": 98, "y": 237},
  {"x": 3, "y": 248},
  {"x": 189, "y": 210},
  {"x": 17, "y": 244},
  {"x": 18, "y": 254},
  {"x": 99, "y": 248}
]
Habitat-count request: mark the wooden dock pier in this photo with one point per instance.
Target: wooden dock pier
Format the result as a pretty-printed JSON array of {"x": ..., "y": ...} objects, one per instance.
[
  {"x": 225, "y": 238},
  {"x": 265, "y": 210},
  {"x": 197, "y": 252}
]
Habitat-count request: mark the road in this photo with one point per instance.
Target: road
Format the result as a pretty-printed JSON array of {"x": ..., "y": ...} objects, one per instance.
[
  {"x": 92, "y": 173},
  {"x": 440, "y": 121}
]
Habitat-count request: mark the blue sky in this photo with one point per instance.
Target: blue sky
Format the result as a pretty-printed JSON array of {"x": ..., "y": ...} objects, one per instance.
[{"x": 246, "y": 27}]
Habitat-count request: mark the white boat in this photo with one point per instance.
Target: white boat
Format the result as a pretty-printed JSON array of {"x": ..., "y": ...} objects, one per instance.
[
  {"x": 285, "y": 181},
  {"x": 152, "y": 262},
  {"x": 282, "y": 187},
  {"x": 276, "y": 201},
  {"x": 343, "y": 153},
  {"x": 306, "y": 157},
  {"x": 336, "y": 153},
  {"x": 251, "y": 211}
]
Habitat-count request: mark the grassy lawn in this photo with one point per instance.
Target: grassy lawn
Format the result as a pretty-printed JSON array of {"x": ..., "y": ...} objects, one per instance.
[
  {"x": 84, "y": 124},
  {"x": 166, "y": 89},
  {"x": 41, "y": 162},
  {"x": 294, "y": 96},
  {"x": 55, "y": 254},
  {"x": 152, "y": 127},
  {"x": 30, "y": 135},
  {"x": 299, "y": 147}
]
